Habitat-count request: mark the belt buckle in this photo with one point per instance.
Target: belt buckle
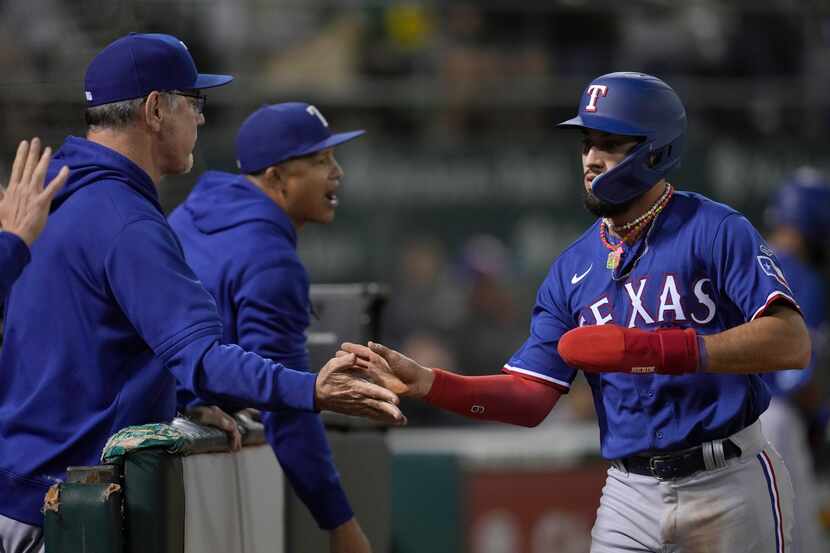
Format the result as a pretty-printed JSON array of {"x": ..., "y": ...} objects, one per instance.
[{"x": 656, "y": 471}]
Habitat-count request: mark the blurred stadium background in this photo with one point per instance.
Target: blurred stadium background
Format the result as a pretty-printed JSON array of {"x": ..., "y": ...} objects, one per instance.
[{"x": 462, "y": 193}]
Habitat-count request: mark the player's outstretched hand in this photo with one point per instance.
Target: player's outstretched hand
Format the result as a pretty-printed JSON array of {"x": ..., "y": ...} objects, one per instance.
[
  {"x": 217, "y": 418},
  {"x": 24, "y": 205},
  {"x": 612, "y": 348},
  {"x": 394, "y": 370},
  {"x": 345, "y": 387}
]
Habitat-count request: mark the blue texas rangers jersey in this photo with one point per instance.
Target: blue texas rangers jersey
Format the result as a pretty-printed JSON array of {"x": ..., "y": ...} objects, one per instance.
[{"x": 700, "y": 265}]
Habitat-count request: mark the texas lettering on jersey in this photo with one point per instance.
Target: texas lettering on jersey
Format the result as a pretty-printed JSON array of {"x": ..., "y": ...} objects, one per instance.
[{"x": 698, "y": 307}]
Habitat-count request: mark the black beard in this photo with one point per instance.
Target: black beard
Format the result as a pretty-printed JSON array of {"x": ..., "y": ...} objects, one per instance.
[{"x": 601, "y": 208}]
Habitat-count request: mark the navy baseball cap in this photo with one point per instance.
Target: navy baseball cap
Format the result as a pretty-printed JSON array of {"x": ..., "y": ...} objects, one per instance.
[
  {"x": 137, "y": 64},
  {"x": 275, "y": 133}
]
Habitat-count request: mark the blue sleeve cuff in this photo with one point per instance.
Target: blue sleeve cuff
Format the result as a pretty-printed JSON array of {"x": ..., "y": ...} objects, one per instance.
[
  {"x": 14, "y": 255},
  {"x": 332, "y": 509},
  {"x": 297, "y": 388},
  {"x": 227, "y": 375}
]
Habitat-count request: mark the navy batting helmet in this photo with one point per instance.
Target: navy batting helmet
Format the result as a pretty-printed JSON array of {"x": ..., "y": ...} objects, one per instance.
[
  {"x": 638, "y": 105},
  {"x": 802, "y": 202}
]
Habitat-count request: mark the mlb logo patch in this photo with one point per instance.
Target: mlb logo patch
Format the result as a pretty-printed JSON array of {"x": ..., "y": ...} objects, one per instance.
[
  {"x": 771, "y": 269},
  {"x": 88, "y": 95}
]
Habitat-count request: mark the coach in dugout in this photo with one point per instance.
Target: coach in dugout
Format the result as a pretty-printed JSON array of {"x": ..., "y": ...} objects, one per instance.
[
  {"x": 24, "y": 207},
  {"x": 239, "y": 233},
  {"x": 108, "y": 290}
]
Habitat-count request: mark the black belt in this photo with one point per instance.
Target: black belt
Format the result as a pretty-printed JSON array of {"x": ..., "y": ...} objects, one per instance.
[{"x": 675, "y": 465}]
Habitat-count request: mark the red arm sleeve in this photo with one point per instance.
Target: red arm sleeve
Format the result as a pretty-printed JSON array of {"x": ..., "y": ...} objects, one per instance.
[{"x": 506, "y": 398}]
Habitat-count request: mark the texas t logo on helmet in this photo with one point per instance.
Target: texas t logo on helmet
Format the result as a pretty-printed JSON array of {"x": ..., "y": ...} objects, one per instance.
[
  {"x": 638, "y": 105},
  {"x": 595, "y": 91}
]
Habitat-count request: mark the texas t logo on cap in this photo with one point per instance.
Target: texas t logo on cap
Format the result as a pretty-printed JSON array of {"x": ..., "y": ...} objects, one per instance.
[
  {"x": 278, "y": 132},
  {"x": 312, "y": 110},
  {"x": 595, "y": 91}
]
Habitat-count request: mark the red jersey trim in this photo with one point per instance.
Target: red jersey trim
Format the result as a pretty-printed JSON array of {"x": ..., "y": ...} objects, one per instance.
[{"x": 772, "y": 298}]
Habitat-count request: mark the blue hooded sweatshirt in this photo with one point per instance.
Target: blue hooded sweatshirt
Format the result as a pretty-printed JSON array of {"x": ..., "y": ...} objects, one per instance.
[
  {"x": 14, "y": 255},
  {"x": 243, "y": 247},
  {"x": 106, "y": 292}
]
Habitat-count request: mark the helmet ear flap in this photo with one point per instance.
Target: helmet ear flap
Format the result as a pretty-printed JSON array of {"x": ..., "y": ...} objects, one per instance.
[
  {"x": 666, "y": 158},
  {"x": 639, "y": 171},
  {"x": 657, "y": 157},
  {"x": 627, "y": 180}
]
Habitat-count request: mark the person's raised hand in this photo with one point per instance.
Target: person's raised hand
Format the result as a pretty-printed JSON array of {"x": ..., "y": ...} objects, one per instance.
[{"x": 24, "y": 204}]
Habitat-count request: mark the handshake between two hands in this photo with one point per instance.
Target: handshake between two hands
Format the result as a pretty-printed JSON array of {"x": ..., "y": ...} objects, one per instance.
[
  {"x": 363, "y": 381},
  {"x": 367, "y": 381}
]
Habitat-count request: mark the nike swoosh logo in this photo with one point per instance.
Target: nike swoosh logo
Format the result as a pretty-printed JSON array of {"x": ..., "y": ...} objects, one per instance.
[{"x": 576, "y": 278}]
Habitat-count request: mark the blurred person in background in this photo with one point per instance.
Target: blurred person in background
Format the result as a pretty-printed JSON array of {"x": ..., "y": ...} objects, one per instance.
[
  {"x": 239, "y": 232},
  {"x": 108, "y": 289},
  {"x": 41, "y": 41},
  {"x": 434, "y": 350},
  {"x": 427, "y": 294},
  {"x": 491, "y": 327},
  {"x": 799, "y": 221},
  {"x": 24, "y": 208}
]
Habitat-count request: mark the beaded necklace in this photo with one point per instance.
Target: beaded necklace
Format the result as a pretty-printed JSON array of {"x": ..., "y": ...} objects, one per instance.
[{"x": 632, "y": 229}]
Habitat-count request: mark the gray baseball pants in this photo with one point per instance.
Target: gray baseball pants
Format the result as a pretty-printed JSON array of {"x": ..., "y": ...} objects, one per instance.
[{"x": 745, "y": 505}]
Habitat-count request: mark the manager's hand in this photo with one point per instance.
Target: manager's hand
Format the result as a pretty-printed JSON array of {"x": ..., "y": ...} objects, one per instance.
[
  {"x": 344, "y": 387},
  {"x": 24, "y": 205}
]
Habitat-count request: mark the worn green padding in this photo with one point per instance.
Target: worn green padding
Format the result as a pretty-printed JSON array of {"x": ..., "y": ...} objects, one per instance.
[
  {"x": 88, "y": 519},
  {"x": 145, "y": 436},
  {"x": 426, "y": 503},
  {"x": 155, "y": 502}
]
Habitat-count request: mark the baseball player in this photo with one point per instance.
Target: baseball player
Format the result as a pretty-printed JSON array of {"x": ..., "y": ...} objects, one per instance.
[
  {"x": 671, "y": 304},
  {"x": 799, "y": 221},
  {"x": 24, "y": 207},
  {"x": 108, "y": 289},
  {"x": 239, "y": 233}
]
